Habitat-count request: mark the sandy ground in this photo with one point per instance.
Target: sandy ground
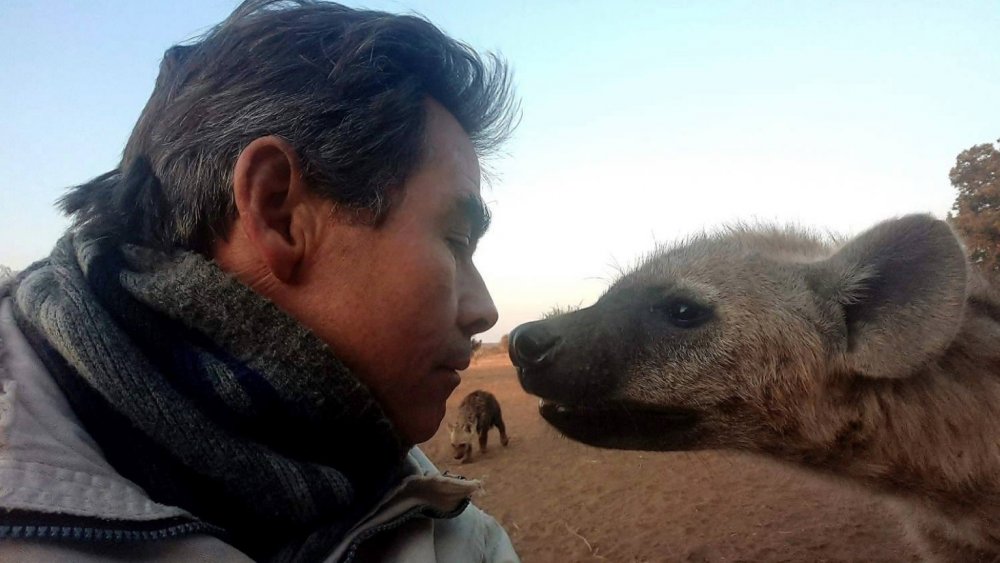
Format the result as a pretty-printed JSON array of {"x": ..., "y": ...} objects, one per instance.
[{"x": 563, "y": 501}]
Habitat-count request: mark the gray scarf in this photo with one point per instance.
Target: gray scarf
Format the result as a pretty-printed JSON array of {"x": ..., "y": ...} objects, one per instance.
[{"x": 207, "y": 395}]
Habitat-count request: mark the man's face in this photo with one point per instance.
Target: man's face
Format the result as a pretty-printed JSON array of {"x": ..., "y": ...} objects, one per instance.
[{"x": 399, "y": 303}]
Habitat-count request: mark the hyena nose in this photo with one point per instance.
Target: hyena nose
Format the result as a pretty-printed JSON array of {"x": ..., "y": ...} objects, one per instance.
[{"x": 532, "y": 345}]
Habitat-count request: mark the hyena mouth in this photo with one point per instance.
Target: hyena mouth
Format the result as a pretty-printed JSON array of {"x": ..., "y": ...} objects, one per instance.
[{"x": 623, "y": 426}]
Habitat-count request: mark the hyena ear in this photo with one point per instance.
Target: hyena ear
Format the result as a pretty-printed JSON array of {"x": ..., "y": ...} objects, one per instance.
[{"x": 898, "y": 292}]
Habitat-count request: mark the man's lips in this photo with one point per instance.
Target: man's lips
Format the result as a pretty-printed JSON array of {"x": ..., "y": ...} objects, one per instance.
[
  {"x": 450, "y": 375},
  {"x": 460, "y": 363}
]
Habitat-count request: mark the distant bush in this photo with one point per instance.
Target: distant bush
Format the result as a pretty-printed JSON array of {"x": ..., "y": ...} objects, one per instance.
[{"x": 483, "y": 349}]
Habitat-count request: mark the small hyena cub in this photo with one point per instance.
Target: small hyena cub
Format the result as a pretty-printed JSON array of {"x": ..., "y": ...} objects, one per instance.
[{"x": 478, "y": 412}]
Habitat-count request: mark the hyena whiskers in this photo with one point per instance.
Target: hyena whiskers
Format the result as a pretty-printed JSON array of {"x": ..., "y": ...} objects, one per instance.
[{"x": 876, "y": 360}]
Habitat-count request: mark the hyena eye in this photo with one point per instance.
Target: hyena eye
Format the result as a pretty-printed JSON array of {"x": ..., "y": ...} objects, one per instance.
[{"x": 684, "y": 313}]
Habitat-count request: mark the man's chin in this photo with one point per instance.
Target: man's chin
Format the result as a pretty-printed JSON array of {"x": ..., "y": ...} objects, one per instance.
[
  {"x": 423, "y": 426},
  {"x": 420, "y": 413}
]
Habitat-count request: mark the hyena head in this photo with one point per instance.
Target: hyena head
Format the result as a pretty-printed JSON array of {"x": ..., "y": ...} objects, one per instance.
[
  {"x": 462, "y": 434},
  {"x": 724, "y": 340}
]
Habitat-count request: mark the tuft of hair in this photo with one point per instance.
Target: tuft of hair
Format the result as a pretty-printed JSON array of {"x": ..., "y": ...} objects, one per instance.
[
  {"x": 786, "y": 241},
  {"x": 347, "y": 88}
]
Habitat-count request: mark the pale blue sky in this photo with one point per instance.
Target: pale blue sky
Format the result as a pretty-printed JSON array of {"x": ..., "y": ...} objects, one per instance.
[{"x": 642, "y": 120}]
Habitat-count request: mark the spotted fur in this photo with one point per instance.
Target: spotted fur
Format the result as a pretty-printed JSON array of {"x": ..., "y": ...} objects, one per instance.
[
  {"x": 876, "y": 361},
  {"x": 478, "y": 412}
]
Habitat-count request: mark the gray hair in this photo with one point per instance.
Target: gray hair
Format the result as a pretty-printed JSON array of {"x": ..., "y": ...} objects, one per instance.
[{"x": 346, "y": 88}]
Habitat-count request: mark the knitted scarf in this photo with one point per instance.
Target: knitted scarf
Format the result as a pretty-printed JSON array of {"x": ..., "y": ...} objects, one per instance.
[{"x": 207, "y": 395}]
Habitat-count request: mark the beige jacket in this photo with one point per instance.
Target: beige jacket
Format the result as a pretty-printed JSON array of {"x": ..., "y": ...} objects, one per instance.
[{"x": 49, "y": 464}]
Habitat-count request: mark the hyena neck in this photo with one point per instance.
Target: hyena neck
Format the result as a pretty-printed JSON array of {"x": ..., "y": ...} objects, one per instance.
[
  {"x": 470, "y": 418},
  {"x": 934, "y": 435}
]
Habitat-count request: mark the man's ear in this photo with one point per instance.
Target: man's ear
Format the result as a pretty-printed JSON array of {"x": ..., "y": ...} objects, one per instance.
[
  {"x": 268, "y": 190},
  {"x": 899, "y": 289}
]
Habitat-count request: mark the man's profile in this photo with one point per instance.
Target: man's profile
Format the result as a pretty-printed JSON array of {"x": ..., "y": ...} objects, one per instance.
[{"x": 263, "y": 308}]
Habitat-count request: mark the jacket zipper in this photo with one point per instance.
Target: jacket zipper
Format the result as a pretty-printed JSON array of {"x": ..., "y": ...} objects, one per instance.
[
  {"x": 403, "y": 518},
  {"x": 87, "y": 533}
]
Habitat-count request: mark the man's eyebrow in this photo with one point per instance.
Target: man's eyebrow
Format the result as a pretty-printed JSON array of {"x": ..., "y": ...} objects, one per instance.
[{"x": 473, "y": 209}]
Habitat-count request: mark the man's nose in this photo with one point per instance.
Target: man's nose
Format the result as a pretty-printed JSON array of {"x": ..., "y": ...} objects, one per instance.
[{"x": 477, "y": 312}]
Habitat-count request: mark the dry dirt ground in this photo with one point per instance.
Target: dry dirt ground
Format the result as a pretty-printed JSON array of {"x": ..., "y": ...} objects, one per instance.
[{"x": 563, "y": 501}]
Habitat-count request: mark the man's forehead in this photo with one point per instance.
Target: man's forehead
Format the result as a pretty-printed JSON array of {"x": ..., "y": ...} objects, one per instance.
[{"x": 446, "y": 143}]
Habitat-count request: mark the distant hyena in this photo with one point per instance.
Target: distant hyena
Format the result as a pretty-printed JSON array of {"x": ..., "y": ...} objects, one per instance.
[
  {"x": 877, "y": 361},
  {"x": 478, "y": 412}
]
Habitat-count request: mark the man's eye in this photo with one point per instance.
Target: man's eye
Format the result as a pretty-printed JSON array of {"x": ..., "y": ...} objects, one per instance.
[{"x": 460, "y": 242}]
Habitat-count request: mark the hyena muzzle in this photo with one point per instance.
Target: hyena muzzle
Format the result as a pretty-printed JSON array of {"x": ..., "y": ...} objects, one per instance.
[
  {"x": 876, "y": 359},
  {"x": 478, "y": 412}
]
